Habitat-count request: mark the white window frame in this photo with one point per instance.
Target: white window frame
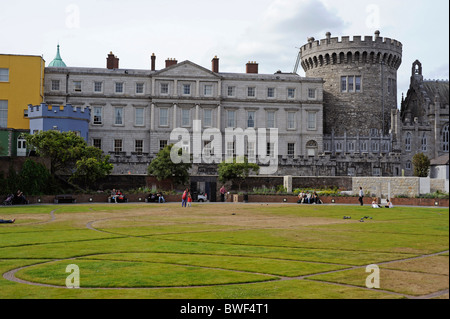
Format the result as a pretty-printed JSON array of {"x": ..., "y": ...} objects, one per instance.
[
  {"x": 56, "y": 85},
  {"x": 100, "y": 83},
  {"x": 4, "y": 75},
  {"x": 3, "y": 113},
  {"x": 137, "y": 85},
  {"x": 290, "y": 151},
  {"x": 251, "y": 92},
  {"x": 291, "y": 122},
  {"x": 139, "y": 149},
  {"x": 271, "y": 121},
  {"x": 118, "y": 145},
  {"x": 77, "y": 86},
  {"x": 185, "y": 117},
  {"x": 164, "y": 123},
  {"x": 118, "y": 110},
  {"x": 97, "y": 118},
  {"x": 119, "y": 85},
  {"x": 207, "y": 120},
  {"x": 141, "y": 119},
  {"x": 208, "y": 90},
  {"x": 231, "y": 118},
  {"x": 253, "y": 119},
  {"x": 231, "y": 91},
  {"x": 291, "y": 93},
  {"x": 186, "y": 89},
  {"x": 271, "y": 92},
  {"x": 164, "y": 88},
  {"x": 312, "y": 94},
  {"x": 312, "y": 121}
]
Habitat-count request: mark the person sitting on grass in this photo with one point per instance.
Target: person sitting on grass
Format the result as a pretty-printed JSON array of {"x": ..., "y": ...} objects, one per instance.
[
  {"x": 389, "y": 204},
  {"x": 375, "y": 203},
  {"x": 7, "y": 221}
]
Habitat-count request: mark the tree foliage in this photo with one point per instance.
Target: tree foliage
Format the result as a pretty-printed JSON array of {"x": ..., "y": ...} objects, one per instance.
[
  {"x": 421, "y": 165},
  {"x": 70, "y": 154},
  {"x": 163, "y": 168},
  {"x": 237, "y": 171}
]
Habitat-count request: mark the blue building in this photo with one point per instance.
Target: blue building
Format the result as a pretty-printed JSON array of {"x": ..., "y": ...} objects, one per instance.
[{"x": 66, "y": 118}]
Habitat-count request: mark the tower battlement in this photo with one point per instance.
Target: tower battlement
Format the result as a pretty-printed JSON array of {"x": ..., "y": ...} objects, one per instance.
[
  {"x": 330, "y": 50},
  {"x": 55, "y": 111}
]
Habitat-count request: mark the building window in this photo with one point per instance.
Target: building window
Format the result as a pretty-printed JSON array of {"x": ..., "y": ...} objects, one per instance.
[
  {"x": 207, "y": 90},
  {"x": 186, "y": 89},
  {"x": 185, "y": 117},
  {"x": 445, "y": 137},
  {"x": 270, "y": 92},
  {"x": 139, "y": 88},
  {"x": 251, "y": 118},
  {"x": 408, "y": 165},
  {"x": 55, "y": 85},
  {"x": 312, "y": 121},
  {"x": 375, "y": 147},
  {"x": 4, "y": 75},
  {"x": 77, "y": 86},
  {"x": 96, "y": 142},
  {"x": 408, "y": 142},
  {"x": 231, "y": 91},
  {"x": 270, "y": 149},
  {"x": 207, "y": 118},
  {"x": 98, "y": 87},
  {"x": 164, "y": 88},
  {"x": 119, "y": 87},
  {"x": 291, "y": 93},
  {"x": 363, "y": 146},
  {"x": 230, "y": 149},
  {"x": 117, "y": 146},
  {"x": 118, "y": 116},
  {"x": 351, "y": 147},
  {"x": 376, "y": 171},
  {"x": 251, "y": 92},
  {"x": 338, "y": 147},
  {"x": 164, "y": 117},
  {"x": 3, "y": 113},
  {"x": 162, "y": 144},
  {"x": 270, "y": 119},
  {"x": 98, "y": 115},
  {"x": 207, "y": 148},
  {"x": 139, "y": 146},
  {"x": 291, "y": 149},
  {"x": 251, "y": 150},
  {"x": 350, "y": 83},
  {"x": 291, "y": 120},
  {"x": 312, "y": 94},
  {"x": 231, "y": 118},
  {"x": 139, "y": 116},
  {"x": 424, "y": 142}
]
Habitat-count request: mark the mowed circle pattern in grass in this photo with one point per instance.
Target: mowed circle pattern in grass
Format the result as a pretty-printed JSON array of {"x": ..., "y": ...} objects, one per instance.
[{"x": 223, "y": 251}]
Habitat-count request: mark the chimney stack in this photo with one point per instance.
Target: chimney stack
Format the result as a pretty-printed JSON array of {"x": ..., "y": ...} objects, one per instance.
[
  {"x": 252, "y": 67},
  {"x": 153, "y": 62},
  {"x": 170, "y": 62},
  {"x": 215, "y": 64},
  {"x": 112, "y": 62}
]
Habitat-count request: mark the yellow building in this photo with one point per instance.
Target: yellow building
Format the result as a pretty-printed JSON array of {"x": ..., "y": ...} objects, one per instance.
[{"x": 21, "y": 83}]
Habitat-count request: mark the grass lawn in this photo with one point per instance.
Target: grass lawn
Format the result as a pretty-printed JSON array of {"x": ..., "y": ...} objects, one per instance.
[{"x": 223, "y": 251}]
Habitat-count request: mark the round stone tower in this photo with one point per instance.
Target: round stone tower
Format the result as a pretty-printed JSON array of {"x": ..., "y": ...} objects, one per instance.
[{"x": 360, "y": 81}]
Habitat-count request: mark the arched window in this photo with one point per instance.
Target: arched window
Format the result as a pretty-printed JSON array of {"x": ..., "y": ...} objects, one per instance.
[
  {"x": 408, "y": 142},
  {"x": 445, "y": 138},
  {"x": 311, "y": 148},
  {"x": 424, "y": 142}
]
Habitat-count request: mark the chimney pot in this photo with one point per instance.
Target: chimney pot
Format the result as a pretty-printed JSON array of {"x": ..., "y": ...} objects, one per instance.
[
  {"x": 153, "y": 58},
  {"x": 215, "y": 64},
  {"x": 252, "y": 67}
]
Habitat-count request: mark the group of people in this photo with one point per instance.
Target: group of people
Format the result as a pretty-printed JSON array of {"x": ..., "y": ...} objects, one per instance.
[
  {"x": 116, "y": 196},
  {"x": 186, "y": 198},
  {"x": 16, "y": 199},
  {"x": 156, "y": 197},
  {"x": 374, "y": 201},
  {"x": 308, "y": 198}
]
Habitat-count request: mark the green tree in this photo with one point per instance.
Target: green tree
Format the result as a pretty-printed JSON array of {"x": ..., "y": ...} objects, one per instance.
[
  {"x": 34, "y": 178},
  {"x": 70, "y": 154},
  {"x": 237, "y": 171},
  {"x": 163, "y": 168},
  {"x": 421, "y": 165}
]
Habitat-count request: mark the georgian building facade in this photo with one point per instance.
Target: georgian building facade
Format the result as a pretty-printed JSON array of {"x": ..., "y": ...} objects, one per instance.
[{"x": 133, "y": 112}]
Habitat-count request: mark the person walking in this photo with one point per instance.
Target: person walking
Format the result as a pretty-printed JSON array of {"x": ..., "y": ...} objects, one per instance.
[
  {"x": 222, "y": 193},
  {"x": 184, "y": 197},
  {"x": 361, "y": 196},
  {"x": 189, "y": 201}
]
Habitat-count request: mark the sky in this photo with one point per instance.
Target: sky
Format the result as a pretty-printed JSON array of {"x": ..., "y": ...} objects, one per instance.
[{"x": 269, "y": 32}]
